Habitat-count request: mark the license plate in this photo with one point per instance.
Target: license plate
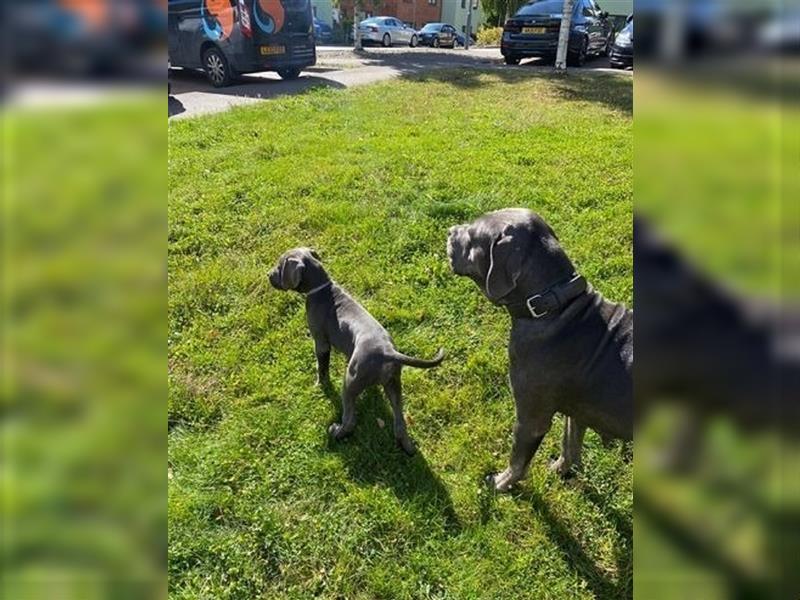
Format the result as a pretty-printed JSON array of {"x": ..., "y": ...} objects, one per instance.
[
  {"x": 534, "y": 30},
  {"x": 267, "y": 50}
]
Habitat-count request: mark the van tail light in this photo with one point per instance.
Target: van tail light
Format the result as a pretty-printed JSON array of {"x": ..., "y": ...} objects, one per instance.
[
  {"x": 244, "y": 19},
  {"x": 512, "y": 27}
]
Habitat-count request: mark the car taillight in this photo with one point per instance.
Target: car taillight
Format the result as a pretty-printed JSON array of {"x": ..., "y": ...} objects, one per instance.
[
  {"x": 374, "y": 29},
  {"x": 512, "y": 27},
  {"x": 244, "y": 19}
]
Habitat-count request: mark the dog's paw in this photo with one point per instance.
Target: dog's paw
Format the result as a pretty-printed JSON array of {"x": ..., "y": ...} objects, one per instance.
[
  {"x": 323, "y": 383},
  {"x": 407, "y": 445},
  {"x": 336, "y": 431},
  {"x": 561, "y": 468},
  {"x": 501, "y": 482}
]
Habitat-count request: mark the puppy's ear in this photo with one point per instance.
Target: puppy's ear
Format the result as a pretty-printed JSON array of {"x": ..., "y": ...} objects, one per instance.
[
  {"x": 315, "y": 255},
  {"x": 505, "y": 264},
  {"x": 291, "y": 273}
]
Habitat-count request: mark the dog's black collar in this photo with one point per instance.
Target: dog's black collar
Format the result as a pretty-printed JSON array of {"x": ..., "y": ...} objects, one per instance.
[
  {"x": 319, "y": 288},
  {"x": 550, "y": 300}
]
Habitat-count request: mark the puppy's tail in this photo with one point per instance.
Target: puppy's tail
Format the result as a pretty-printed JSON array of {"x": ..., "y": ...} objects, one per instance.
[{"x": 418, "y": 362}]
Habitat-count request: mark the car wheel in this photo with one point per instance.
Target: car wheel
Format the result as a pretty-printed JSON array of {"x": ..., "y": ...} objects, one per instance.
[
  {"x": 511, "y": 60},
  {"x": 578, "y": 59},
  {"x": 289, "y": 73},
  {"x": 216, "y": 67},
  {"x": 387, "y": 40},
  {"x": 607, "y": 49},
  {"x": 436, "y": 42},
  {"x": 413, "y": 42}
]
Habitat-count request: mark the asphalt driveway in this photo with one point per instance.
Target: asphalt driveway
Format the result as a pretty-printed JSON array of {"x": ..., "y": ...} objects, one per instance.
[{"x": 338, "y": 67}]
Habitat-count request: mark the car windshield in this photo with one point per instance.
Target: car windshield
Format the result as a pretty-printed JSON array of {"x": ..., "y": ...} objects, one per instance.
[
  {"x": 545, "y": 7},
  {"x": 628, "y": 28},
  {"x": 372, "y": 21},
  {"x": 432, "y": 27}
]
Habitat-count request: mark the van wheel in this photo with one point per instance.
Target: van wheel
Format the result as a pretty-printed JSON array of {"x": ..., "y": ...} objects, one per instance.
[
  {"x": 289, "y": 73},
  {"x": 511, "y": 60},
  {"x": 216, "y": 67},
  {"x": 387, "y": 41}
]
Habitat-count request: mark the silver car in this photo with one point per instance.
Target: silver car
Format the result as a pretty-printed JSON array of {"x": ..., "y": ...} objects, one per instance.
[{"x": 387, "y": 31}]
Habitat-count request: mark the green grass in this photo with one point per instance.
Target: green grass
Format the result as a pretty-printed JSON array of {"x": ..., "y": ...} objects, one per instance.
[{"x": 261, "y": 504}]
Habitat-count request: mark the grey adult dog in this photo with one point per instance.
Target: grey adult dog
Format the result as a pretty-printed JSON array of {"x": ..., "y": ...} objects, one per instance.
[
  {"x": 336, "y": 320},
  {"x": 570, "y": 350}
]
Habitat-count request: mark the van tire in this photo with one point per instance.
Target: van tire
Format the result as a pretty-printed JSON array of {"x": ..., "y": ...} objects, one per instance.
[
  {"x": 216, "y": 66},
  {"x": 510, "y": 59},
  {"x": 289, "y": 73}
]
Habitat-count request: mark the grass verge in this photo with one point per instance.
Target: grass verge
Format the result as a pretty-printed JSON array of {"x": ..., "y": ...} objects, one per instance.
[{"x": 261, "y": 503}]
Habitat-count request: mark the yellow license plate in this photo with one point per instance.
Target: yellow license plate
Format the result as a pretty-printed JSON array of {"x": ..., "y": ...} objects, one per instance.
[
  {"x": 534, "y": 30},
  {"x": 267, "y": 50}
]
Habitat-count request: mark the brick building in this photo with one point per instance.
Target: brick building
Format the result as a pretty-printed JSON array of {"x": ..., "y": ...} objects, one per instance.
[{"x": 412, "y": 12}]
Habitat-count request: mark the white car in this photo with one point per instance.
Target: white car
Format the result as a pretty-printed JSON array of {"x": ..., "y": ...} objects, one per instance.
[{"x": 387, "y": 31}]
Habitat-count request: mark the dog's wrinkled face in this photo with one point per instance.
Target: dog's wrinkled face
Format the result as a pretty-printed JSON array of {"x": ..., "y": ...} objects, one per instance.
[
  {"x": 291, "y": 268},
  {"x": 498, "y": 250}
]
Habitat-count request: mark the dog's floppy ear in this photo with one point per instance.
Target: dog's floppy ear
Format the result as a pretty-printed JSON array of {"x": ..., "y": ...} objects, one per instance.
[
  {"x": 291, "y": 273},
  {"x": 505, "y": 264}
]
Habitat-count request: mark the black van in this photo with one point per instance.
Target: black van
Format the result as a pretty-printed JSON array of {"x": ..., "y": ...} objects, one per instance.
[{"x": 229, "y": 37}]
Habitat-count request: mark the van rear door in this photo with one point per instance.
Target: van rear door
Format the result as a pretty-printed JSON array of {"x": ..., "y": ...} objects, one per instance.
[{"x": 283, "y": 29}]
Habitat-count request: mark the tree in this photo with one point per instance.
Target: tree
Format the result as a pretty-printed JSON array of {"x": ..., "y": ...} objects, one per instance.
[
  {"x": 497, "y": 11},
  {"x": 563, "y": 36}
]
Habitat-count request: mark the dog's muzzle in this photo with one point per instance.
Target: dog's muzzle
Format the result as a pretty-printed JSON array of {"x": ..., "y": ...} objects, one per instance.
[
  {"x": 455, "y": 253},
  {"x": 274, "y": 279}
]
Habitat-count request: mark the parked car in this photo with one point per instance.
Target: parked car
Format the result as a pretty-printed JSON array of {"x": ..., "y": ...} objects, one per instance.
[
  {"x": 387, "y": 31},
  {"x": 322, "y": 31},
  {"x": 438, "y": 35},
  {"x": 621, "y": 54},
  {"x": 533, "y": 31},
  {"x": 226, "y": 39}
]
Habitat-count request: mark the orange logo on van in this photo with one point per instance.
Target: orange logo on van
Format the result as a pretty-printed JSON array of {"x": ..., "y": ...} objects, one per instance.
[
  {"x": 268, "y": 15},
  {"x": 95, "y": 14},
  {"x": 217, "y": 18}
]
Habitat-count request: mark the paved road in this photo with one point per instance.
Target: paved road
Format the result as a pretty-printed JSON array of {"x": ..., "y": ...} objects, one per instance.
[{"x": 337, "y": 67}]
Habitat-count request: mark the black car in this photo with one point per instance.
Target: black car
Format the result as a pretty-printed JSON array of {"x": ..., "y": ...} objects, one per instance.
[
  {"x": 226, "y": 38},
  {"x": 621, "y": 54},
  {"x": 438, "y": 35},
  {"x": 533, "y": 31}
]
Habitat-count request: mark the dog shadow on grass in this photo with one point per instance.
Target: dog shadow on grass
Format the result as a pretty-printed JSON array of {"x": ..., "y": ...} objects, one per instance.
[
  {"x": 372, "y": 457},
  {"x": 579, "y": 560},
  {"x": 624, "y": 549}
]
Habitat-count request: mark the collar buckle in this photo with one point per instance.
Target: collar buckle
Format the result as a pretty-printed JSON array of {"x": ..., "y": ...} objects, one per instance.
[{"x": 532, "y": 309}]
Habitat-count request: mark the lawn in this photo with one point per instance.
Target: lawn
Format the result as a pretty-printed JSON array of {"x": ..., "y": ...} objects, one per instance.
[{"x": 261, "y": 503}]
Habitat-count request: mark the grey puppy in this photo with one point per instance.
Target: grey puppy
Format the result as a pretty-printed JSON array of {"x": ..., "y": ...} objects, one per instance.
[
  {"x": 336, "y": 320},
  {"x": 570, "y": 350}
]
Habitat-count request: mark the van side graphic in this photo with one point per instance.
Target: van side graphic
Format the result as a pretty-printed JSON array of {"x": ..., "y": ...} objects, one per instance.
[
  {"x": 268, "y": 15},
  {"x": 217, "y": 18}
]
